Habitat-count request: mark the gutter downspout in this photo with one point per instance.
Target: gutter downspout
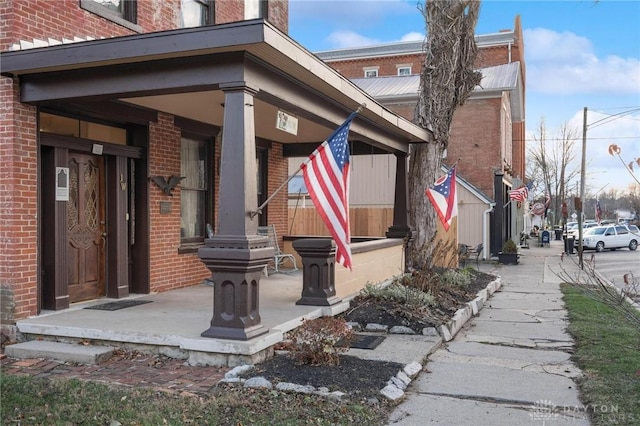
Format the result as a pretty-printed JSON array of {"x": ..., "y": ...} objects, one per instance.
[{"x": 484, "y": 229}]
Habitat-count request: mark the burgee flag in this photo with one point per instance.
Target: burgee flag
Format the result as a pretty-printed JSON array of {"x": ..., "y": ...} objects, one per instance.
[
  {"x": 326, "y": 174},
  {"x": 443, "y": 195}
]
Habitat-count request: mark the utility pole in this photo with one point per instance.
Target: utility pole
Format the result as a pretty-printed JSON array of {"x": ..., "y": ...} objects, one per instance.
[{"x": 582, "y": 185}]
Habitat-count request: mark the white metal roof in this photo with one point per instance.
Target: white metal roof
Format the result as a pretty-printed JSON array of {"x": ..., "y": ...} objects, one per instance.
[
  {"x": 494, "y": 80},
  {"x": 406, "y": 48}
]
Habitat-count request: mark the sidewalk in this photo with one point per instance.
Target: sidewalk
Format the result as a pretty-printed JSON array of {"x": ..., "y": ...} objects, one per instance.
[{"x": 510, "y": 364}]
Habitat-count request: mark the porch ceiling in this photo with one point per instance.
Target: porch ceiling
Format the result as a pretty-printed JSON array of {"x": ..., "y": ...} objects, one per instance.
[{"x": 180, "y": 72}]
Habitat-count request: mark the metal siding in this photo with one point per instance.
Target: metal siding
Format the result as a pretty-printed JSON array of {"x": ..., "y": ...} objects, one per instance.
[{"x": 470, "y": 220}]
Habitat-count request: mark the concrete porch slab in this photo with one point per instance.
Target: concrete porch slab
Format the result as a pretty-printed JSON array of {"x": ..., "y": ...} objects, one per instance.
[{"x": 60, "y": 351}]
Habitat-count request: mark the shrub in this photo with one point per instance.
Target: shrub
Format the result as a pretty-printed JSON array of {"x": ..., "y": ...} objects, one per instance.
[
  {"x": 509, "y": 247},
  {"x": 399, "y": 292},
  {"x": 456, "y": 278},
  {"x": 320, "y": 341}
]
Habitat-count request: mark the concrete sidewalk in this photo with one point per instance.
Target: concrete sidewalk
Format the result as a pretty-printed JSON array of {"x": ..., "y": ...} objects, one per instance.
[{"x": 510, "y": 364}]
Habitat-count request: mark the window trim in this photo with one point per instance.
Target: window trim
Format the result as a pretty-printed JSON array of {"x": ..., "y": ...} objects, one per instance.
[
  {"x": 263, "y": 9},
  {"x": 189, "y": 245},
  {"x": 210, "y": 11},
  {"x": 127, "y": 19},
  {"x": 403, "y": 67},
  {"x": 371, "y": 69}
]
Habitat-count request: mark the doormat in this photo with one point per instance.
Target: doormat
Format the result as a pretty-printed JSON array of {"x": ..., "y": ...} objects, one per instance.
[
  {"x": 114, "y": 306},
  {"x": 364, "y": 341}
]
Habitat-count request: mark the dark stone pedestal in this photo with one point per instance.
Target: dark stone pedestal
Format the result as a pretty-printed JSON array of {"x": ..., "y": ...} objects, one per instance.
[
  {"x": 318, "y": 271},
  {"x": 236, "y": 265}
]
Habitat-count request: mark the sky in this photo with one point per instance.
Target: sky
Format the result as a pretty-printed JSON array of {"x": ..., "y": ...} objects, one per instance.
[{"x": 579, "y": 54}]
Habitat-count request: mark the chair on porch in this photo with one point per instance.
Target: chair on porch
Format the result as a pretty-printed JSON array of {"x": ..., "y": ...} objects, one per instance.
[
  {"x": 279, "y": 257},
  {"x": 471, "y": 252}
]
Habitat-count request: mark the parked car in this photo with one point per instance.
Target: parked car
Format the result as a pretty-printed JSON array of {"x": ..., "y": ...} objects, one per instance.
[
  {"x": 611, "y": 237},
  {"x": 573, "y": 232},
  {"x": 570, "y": 226}
]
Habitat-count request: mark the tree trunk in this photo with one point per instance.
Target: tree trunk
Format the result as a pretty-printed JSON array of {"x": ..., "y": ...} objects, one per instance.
[{"x": 447, "y": 79}]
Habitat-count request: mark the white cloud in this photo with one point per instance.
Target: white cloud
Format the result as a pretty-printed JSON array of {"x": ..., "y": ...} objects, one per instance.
[
  {"x": 345, "y": 39},
  {"x": 565, "y": 63},
  {"x": 348, "y": 39},
  {"x": 602, "y": 169},
  {"x": 412, "y": 36}
]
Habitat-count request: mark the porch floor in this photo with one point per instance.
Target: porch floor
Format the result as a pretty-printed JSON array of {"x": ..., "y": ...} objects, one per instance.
[{"x": 173, "y": 322}]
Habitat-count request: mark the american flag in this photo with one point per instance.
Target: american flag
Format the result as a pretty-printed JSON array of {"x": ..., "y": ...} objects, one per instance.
[
  {"x": 519, "y": 194},
  {"x": 547, "y": 198},
  {"x": 598, "y": 211},
  {"x": 326, "y": 174},
  {"x": 443, "y": 195}
]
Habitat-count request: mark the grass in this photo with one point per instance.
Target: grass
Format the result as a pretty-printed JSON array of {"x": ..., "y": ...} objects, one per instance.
[
  {"x": 608, "y": 352},
  {"x": 46, "y": 401}
]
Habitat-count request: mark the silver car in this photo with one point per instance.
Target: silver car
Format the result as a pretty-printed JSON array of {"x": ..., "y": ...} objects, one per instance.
[{"x": 611, "y": 237}]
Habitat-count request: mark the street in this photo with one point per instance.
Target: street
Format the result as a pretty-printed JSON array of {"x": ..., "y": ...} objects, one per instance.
[{"x": 614, "y": 264}]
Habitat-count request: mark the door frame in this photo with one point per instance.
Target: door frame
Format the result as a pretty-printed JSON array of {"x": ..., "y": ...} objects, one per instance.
[{"x": 126, "y": 264}]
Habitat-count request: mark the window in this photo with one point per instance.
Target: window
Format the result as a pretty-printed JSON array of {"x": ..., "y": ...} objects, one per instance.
[
  {"x": 262, "y": 159},
  {"x": 50, "y": 123},
  {"x": 370, "y": 72},
  {"x": 620, "y": 230},
  {"x": 404, "y": 70},
  {"x": 195, "y": 163},
  {"x": 122, "y": 12},
  {"x": 254, "y": 9},
  {"x": 196, "y": 13}
]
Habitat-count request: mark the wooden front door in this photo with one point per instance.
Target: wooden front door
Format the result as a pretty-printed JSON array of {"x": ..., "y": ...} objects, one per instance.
[{"x": 86, "y": 229}]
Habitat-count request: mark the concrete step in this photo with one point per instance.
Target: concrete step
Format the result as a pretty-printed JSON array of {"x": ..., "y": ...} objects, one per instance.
[{"x": 65, "y": 352}]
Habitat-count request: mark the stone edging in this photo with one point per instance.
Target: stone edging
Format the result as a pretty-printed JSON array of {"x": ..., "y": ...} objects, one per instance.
[
  {"x": 394, "y": 390},
  {"x": 395, "y": 387},
  {"x": 462, "y": 315}
]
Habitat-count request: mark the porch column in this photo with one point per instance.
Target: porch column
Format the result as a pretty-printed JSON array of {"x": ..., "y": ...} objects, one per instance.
[
  {"x": 400, "y": 227},
  {"x": 236, "y": 255}
]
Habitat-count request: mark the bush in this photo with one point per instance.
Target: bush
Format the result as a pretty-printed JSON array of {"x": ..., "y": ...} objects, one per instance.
[
  {"x": 509, "y": 247},
  {"x": 399, "y": 292},
  {"x": 456, "y": 278},
  {"x": 320, "y": 341}
]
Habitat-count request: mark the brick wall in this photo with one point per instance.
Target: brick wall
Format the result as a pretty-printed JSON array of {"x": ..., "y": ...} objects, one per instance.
[
  {"x": 25, "y": 20},
  {"x": 18, "y": 204},
  {"x": 387, "y": 66},
  {"x": 476, "y": 131},
  {"x": 277, "y": 213},
  {"x": 233, "y": 11},
  {"x": 168, "y": 269}
]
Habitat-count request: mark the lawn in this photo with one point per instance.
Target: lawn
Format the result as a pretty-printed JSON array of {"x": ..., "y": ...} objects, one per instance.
[
  {"x": 44, "y": 401},
  {"x": 608, "y": 352}
]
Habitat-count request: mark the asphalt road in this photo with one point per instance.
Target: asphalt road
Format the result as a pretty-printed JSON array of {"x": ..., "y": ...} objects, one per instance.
[{"x": 614, "y": 264}]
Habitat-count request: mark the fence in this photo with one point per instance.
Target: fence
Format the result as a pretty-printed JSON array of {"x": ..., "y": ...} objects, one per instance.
[{"x": 365, "y": 221}]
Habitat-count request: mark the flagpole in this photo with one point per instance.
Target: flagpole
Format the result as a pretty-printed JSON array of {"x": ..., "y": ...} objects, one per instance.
[{"x": 258, "y": 211}]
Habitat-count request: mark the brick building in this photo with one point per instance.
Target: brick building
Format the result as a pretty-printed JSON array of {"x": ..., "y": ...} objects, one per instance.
[
  {"x": 488, "y": 131},
  {"x": 104, "y": 101}
]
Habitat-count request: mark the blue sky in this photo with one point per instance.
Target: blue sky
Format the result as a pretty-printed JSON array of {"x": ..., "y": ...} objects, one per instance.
[{"x": 578, "y": 54}]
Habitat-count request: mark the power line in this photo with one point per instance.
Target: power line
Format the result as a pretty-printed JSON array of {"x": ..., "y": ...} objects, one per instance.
[
  {"x": 588, "y": 138},
  {"x": 611, "y": 118}
]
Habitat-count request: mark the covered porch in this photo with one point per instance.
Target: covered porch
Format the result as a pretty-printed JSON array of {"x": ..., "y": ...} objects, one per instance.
[
  {"x": 171, "y": 323},
  {"x": 233, "y": 80}
]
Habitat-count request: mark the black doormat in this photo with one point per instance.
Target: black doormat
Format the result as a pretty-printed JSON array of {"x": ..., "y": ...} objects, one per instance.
[
  {"x": 114, "y": 306},
  {"x": 365, "y": 341}
]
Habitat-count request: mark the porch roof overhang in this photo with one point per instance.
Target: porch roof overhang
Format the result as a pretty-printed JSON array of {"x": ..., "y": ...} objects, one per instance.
[{"x": 182, "y": 72}]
